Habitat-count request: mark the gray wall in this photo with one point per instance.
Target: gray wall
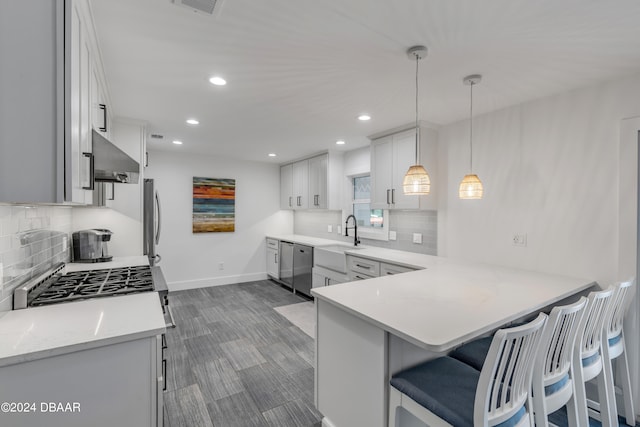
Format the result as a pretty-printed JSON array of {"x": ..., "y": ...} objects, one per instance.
[{"x": 404, "y": 223}]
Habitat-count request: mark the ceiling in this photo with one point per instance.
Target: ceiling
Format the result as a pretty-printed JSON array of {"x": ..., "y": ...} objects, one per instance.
[{"x": 299, "y": 72}]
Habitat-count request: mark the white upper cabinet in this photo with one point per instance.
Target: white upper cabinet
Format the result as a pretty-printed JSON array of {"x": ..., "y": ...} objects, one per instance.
[
  {"x": 391, "y": 157},
  {"x": 318, "y": 182},
  {"x": 313, "y": 183},
  {"x": 46, "y": 107},
  {"x": 301, "y": 184},
  {"x": 286, "y": 187}
]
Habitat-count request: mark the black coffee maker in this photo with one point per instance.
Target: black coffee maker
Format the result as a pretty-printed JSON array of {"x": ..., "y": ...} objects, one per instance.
[{"x": 91, "y": 245}]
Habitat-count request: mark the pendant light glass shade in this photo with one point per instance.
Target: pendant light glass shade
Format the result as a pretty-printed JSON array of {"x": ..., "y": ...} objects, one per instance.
[
  {"x": 416, "y": 181},
  {"x": 470, "y": 187}
]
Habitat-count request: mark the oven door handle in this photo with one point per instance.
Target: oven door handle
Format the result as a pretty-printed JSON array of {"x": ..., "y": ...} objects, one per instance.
[{"x": 171, "y": 323}]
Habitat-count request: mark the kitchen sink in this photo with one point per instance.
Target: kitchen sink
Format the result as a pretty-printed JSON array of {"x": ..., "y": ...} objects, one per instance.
[{"x": 333, "y": 256}]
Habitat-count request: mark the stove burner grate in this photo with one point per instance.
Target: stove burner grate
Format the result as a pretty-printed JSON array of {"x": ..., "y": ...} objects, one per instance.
[{"x": 93, "y": 284}]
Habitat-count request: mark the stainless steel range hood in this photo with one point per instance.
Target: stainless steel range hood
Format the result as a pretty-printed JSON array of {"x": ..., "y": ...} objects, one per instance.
[{"x": 111, "y": 164}]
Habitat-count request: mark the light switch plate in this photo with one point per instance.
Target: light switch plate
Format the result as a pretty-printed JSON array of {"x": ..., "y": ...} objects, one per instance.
[
  {"x": 417, "y": 238},
  {"x": 392, "y": 235},
  {"x": 329, "y": 228},
  {"x": 339, "y": 230}
]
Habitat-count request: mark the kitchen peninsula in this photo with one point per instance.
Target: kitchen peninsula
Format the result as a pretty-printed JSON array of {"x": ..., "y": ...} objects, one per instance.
[{"x": 368, "y": 330}]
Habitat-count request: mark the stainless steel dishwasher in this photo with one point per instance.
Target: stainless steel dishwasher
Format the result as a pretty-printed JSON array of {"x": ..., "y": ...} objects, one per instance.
[{"x": 302, "y": 265}]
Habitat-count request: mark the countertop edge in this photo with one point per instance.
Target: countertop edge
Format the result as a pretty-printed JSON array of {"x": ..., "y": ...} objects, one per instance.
[
  {"x": 446, "y": 346},
  {"x": 72, "y": 348}
]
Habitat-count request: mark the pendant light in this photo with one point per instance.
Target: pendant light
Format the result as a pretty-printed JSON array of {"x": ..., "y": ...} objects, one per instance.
[
  {"x": 416, "y": 181},
  {"x": 471, "y": 186}
]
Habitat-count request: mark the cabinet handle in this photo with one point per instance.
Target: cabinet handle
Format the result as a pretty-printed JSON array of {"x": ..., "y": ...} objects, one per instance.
[
  {"x": 164, "y": 374},
  {"x": 103, "y": 107},
  {"x": 91, "y": 171},
  {"x": 359, "y": 277},
  {"x": 146, "y": 159},
  {"x": 393, "y": 196},
  {"x": 299, "y": 203},
  {"x": 275, "y": 258},
  {"x": 113, "y": 191},
  {"x": 290, "y": 201},
  {"x": 390, "y": 273},
  {"x": 388, "y": 197},
  {"x": 326, "y": 279},
  {"x": 368, "y": 267},
  {"x": 315, "y": 200}
]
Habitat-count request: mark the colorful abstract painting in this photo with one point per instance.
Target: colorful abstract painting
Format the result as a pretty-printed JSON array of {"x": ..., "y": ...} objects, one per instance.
[{"x": 214, "y": 205}]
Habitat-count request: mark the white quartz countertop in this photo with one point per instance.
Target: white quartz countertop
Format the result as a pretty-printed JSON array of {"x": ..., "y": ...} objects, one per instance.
[
  {"x": 305, "y": 240},
  {"x": 40, "y": 332},
  {"x": 116, "y": 262},
  {"x": 449, "y": 302}
]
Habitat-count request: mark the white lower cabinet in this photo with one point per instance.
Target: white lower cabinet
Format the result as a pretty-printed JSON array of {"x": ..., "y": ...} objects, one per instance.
[
  {"x": 273, "y": 264},
  {"x": 364, "y": 268},
  {"x": 325, "y": 277},
  {"x": 119, "y": 384}
]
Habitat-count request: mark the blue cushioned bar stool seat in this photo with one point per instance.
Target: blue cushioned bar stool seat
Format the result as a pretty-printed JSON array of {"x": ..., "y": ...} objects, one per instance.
[{"x": 448, "y": 392}]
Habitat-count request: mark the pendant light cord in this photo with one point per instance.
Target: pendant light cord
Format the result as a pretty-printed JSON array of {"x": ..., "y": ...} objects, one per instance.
[
  {"x": 417, "y": 60},
  {"x": 471, "y": 131}
]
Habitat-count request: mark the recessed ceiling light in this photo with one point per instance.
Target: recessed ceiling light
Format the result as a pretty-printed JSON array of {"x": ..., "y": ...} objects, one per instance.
[
  {"x": 272, "y": 154},
  {"x": 218, "y": 81},
  {"x": 193, "y": 122},
  {"x": 175, "y": 141},
  {"x": 340, "y": 142},
  {"x": 364, "y": 117}
]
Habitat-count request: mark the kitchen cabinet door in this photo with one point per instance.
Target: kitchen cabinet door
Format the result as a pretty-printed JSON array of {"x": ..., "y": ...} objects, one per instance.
[
  {"x": 404, "y": 156},
  {"x": 301, "y": 184},
  {"x": 318, "y": 182},
  {"x": 273, "y": 258},
  {"x": 381, "y": 173},
  {"x": 79, "y": 70},
  {"x": 286, "y": 187},
  {"x": 391, "y": 157}
]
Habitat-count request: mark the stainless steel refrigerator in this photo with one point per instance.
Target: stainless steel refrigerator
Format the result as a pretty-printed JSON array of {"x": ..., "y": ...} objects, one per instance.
[{"x": 151, "y": 223}]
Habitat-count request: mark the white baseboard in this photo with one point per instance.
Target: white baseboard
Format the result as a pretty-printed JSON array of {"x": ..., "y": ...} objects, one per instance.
[
  {"x": 327, "y": 423},
  {"x": 215, "y": 281}
]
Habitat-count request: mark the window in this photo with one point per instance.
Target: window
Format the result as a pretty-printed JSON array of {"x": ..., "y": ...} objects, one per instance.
[{"x": 365, "y": 216}]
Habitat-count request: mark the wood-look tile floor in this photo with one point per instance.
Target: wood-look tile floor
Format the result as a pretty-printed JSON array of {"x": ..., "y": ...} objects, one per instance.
[{"x": 233, "y": 361}]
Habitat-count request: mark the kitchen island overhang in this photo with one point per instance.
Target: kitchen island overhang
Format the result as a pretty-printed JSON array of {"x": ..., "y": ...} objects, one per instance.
[{"x": 368, "y": 330}]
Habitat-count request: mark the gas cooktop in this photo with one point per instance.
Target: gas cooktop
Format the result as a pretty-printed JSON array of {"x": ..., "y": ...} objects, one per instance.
[{"x": 91, "y": 284}]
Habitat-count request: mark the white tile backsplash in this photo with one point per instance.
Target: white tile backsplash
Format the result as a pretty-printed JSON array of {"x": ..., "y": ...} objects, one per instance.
[
  {"x": 32, "y": 239},
  {"x": 404, "y": 223}
]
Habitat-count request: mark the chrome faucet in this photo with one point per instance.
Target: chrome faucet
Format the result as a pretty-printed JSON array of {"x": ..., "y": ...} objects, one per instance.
[{"x": 355, "y": 229}]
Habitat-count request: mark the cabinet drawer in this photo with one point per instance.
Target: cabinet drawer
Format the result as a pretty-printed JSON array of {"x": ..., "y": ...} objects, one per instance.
[
  {"x": 353, "y": 276},
  {"x": 391, "y": 269},
  {"x": 272, "y": 244},
  {"x": 363, "y": 265}
]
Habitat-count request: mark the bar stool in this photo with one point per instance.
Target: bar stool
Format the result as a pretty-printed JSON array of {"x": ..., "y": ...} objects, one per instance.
[
  {"x": 553, "y": 371},
  {"x": 613, "y": 350},
  {"x": 445, "y": 391},
  {"x": 588, "y": 362}
]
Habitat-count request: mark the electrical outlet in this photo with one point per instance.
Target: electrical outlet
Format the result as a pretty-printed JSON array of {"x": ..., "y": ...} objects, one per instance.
[
  {"x": 392, "y": 235},
  {"x": 417, "y": 238},
  {"x": 329, "y": 228},
  {"x": 519, "y": 240},
  {"x": 221, "y": 266}
]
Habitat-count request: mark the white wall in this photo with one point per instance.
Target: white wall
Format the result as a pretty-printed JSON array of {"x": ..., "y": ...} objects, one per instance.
[
  {"x": 192, "y": 260},
  {"x": 550, "y": 170}
]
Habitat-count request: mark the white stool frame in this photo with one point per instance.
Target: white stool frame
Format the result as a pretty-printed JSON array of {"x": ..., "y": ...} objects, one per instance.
[{"x": 554, "y": 362}]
